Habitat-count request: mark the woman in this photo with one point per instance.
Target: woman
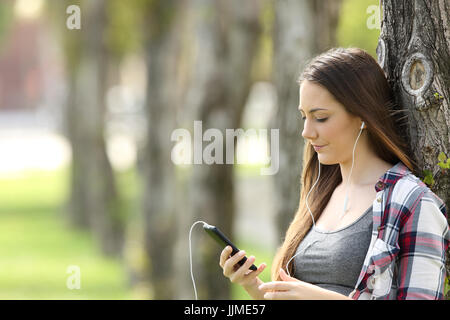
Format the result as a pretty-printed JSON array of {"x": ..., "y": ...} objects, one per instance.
[{"x": 366, "y": 226}]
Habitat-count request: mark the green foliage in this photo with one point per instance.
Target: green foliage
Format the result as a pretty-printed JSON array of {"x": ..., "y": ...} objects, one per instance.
[
  {"x": 124, "y": 32},
  {"x": 428, "y": 177},
  {"x": 353, "y": 27},
  {"x": 446, "y": 287},
  {"x": 6, "y": 15},
  {"x": 262, "y": 66},
  {"x": 438, "y": 96},
  {"x": 444, "y": 164},
  {"x": 132, "y": 23}
]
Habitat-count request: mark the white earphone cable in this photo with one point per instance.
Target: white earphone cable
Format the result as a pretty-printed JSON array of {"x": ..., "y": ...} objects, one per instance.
[
  {"x": 351, "y": 170},
  {"x": 345, "y": 201},
  {"x": 190, "y": 256}
]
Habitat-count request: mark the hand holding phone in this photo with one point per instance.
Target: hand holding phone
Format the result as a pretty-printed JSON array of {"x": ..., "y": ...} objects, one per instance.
[{"x": 222, "y": 240}]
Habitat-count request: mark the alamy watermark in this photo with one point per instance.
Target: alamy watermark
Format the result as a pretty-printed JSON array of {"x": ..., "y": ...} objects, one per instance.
[
  {"x": 374, "y": 20},
  {"x": 74, "y": 280},
  {"x": 188, "y": 150},
  {"x": 74, "y": 20}
]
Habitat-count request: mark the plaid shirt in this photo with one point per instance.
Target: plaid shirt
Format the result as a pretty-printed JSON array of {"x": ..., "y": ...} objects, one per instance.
[{"x": 410, "y": 236}]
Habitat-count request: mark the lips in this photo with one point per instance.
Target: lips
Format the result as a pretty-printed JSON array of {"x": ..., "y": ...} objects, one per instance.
[{"x": 317, "y": 148}]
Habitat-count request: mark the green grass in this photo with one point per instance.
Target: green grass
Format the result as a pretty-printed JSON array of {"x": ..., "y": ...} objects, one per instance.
[{"x": 37, "y": 247}]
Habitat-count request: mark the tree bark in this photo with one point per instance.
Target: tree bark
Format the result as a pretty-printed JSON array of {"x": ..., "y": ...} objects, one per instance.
[
  {"x": 414, "y": 51},
  {"x": 302, "y": 29}
]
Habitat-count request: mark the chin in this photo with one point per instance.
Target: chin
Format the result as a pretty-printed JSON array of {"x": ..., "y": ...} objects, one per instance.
[{"x": 323, "y": 160}]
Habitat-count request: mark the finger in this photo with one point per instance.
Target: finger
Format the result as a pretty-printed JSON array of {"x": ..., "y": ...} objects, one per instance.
[
  {"x": 251, "y": 275},
  {"x": 241, "y": 272},
  {"x": 285, "y": 277},
  {"x": 228, "y": 267},
  {"x": 225, "y": 255},
  {"x": 276, "y": 286},
  {"x": 254, "y": 273},
  {"x": 234, "y": 259}
]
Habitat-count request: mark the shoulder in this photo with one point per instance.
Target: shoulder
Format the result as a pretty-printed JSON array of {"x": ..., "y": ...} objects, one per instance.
[
  {"x": 423, "y": 211},
  {"x": 410, "y": 191}
]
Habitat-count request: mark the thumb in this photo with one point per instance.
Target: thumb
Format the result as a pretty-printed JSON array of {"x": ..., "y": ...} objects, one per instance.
[{"x": 284, "y": 276}]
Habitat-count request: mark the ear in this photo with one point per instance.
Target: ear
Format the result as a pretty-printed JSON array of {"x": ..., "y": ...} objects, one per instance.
[{"x": 362, "y": 123}]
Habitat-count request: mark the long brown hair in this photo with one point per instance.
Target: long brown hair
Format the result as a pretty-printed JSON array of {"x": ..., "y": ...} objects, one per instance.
[{"x": 356, "y": 80}]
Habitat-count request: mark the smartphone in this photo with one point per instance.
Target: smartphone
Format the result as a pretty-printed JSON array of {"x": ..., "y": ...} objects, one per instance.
[{"x": 221, "y": 239}]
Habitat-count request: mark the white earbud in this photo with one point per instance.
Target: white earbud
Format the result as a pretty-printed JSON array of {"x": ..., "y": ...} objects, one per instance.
[{"x": 362, "y": 126}]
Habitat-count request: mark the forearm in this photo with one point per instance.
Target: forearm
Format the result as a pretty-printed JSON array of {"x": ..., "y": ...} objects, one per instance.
[
  {"x": 324, "y": 294},
  {"x": 310, "y": 292},
  {"x": 331, "y": 295}
]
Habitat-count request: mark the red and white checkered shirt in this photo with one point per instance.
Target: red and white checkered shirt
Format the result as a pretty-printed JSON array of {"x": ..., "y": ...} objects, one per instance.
[{"x": 410, "y": 237}]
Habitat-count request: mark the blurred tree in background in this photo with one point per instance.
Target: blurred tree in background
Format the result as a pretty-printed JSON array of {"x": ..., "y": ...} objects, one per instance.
[
  {"x": 302, "y": 29},
  {"x": 158, "y": 201},
  {"x": 224, "y": 44},
  {"x": 94, "y": 202}
]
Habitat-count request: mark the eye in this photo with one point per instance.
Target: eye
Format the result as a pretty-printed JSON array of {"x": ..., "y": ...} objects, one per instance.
[{"x": 319, "y": 120}]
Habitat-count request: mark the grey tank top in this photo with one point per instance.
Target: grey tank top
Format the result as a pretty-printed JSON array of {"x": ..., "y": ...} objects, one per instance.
[{"x": 333, "y": 259}]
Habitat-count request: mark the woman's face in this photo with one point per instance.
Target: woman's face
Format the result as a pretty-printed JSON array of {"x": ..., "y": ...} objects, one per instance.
[{"x": 328, "y": 124}]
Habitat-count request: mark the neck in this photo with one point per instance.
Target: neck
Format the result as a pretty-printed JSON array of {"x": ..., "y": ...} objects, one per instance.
[{"x": 367, "y": 169}]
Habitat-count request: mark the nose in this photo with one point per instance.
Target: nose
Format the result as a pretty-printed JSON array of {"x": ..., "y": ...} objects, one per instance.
[{"x": 309, "y": 132}]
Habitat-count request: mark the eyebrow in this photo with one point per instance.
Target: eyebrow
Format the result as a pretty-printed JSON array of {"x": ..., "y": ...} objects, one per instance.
[{"x": 312, "y": 110}]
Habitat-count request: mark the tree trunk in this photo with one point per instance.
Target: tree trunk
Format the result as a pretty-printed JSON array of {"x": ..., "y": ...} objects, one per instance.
[
  {"x": 94, "y": 200},
  {"x": 76, "y": 208},
  {"x": 414, "y": 51},
  {"x": 303, "y": 28},
  {"x": 224, "y": 44},
  {"x": 159, "y": 199}
]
